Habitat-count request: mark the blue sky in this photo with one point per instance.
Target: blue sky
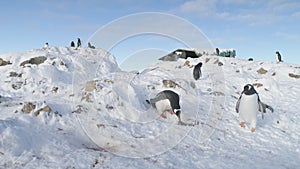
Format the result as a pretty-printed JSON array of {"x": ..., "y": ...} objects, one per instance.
[{"x": 255, "y": 28}]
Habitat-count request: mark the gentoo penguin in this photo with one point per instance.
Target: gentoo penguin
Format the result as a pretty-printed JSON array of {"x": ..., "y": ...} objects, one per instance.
[
  {"x": 72, "y": 44},
  {"x": 248, "y": 106},
  {"x": 166, "y": 101},
  {"x": 217, "y": 51},
  {"x": 197, "y": 71},
  {"x": 46, "y": 46},
  {"x": 278, "y": 57},
  {"x": 78, "y": 43}
]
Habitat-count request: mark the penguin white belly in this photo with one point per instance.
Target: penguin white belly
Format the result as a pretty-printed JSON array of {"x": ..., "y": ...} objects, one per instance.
[
  {"x": 163, "y": 105},
  {"x": 248, "y": 109}
]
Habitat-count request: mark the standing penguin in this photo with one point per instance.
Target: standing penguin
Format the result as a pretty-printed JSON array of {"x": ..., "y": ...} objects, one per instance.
[
  {"x": 72, "y": 44},
  {"x": 278, "y": 57},
  {"x": 217, "y": 51},
  {"x": 78, "y": 43},
  {"x": 166, "y": 101},
  {"x": 248, "y": 106},
  {"x": 46, "y": 46},
  {"x": 197, "y": 71}
]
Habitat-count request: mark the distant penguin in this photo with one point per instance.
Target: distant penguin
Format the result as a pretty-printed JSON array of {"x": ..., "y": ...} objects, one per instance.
[
  {"x": 91, "y": 46},
  {"x": 248, "y": 106},
  {"x": 278, "y": 57},
  {"x": 46, "y": 46},
  {"x": 217, "y": 51},
  {"x": 72, "y": 44},
  {"x": 78, "y": 43},
  {"x": 197, "y": 71},
  {"x": 166, "y": 101}
]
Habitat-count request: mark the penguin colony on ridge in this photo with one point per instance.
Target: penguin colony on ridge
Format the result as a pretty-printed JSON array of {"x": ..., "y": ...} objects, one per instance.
[{"x": 166, "y": 101}]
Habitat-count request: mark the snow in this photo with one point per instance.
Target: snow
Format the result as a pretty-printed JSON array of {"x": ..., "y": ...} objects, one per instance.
[{"x": 99, "y": 117}]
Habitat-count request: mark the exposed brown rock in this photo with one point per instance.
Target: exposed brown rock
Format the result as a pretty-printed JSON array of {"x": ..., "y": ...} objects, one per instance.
[
  {"x": 3, "y": 62},
  {"x": 257, "y": 84},
  {"x": 262, "y": 71},
  {"x": 37, "y": 60},
  {"x": 28, "y": 107},
  {"x": 294, "y": 75},
  {"x": 46, "y": 109}
]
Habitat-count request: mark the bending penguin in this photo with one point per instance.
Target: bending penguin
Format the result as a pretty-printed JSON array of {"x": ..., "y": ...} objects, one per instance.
[
  {"x": 166, "y": 101},
  {"x": 248, "y": 106}
]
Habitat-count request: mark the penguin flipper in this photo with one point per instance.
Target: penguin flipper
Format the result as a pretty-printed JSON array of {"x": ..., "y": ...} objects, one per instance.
[
  {"x": 270, "y": 108},
  {"x": 237, "y": 106},
  {"x": 261, "y": 107}
]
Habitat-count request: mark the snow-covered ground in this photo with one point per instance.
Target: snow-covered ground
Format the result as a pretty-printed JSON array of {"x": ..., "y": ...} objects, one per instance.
[{"x": 72, "y": 108}]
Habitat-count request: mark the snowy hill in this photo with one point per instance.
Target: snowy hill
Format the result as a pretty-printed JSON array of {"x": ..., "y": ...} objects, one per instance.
[{"x": 67, "y": 108}]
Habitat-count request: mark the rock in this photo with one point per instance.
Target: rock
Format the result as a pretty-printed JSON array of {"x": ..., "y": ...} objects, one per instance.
[
  {"x": 28, "y": 107},
  {"x": 46, "y": 109},
  {"x": 207, "y": 60},
  {"x": 262, "y": 71},
  {"x": 15, "y": 74},
  {"x": 36, "y": 61},
  {"x": 294, "y": 75},
  {"x": 188, "y": 64},
  {"x": 88, "y": 97},
  {"x": 3, "y": 62},
  {"x": 54, "y": 89},
  {"x": 17, "y": 85},
  {"x": 257, "y": 84},
  {"x": 216, "y": 93},
  {"x": 170, "y": 84},
  {"x": 109, "y": 107},
  {"x": 216, "y": 61},
  {"x": 90, "y": 86}
]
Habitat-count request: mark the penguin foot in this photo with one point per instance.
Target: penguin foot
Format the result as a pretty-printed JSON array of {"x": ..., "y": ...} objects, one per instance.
[
  {"x": 171, "y": 112},
  {"x": 242, "y": 124},
  {"x": 253, "y": 130},
  {"x": 163, "y": 115}
]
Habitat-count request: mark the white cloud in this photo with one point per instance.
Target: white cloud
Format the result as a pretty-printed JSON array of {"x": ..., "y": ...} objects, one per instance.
[
  {"x": 282, "y": 6},
  {"x": 286, "y": 35},
  {"x": 199, "y": 7},
  {"x": 236, "y": 1},
  {"x": 296, "y": 15},
  {"x": 253, "y": 13}
]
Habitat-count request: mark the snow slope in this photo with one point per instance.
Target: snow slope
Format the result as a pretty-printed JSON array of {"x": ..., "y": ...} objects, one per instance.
[{"x": 77, "y": 109}]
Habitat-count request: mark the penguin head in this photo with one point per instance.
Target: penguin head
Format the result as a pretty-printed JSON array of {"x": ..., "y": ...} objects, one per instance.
[
  {"x": 200, "y": 64},
  {"x": 249, "y": 89}
]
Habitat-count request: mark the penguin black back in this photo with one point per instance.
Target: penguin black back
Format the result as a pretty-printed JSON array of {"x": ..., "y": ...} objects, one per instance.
[
  {"x": 171, "y": 96},
  {"x": 197, "y": 71},
  {"x": 174, "y": 101},
  {"x": 72, "y": 44}
]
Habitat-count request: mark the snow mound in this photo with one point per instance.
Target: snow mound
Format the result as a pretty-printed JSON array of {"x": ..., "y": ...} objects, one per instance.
[{"x": 74, "y": 108}]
